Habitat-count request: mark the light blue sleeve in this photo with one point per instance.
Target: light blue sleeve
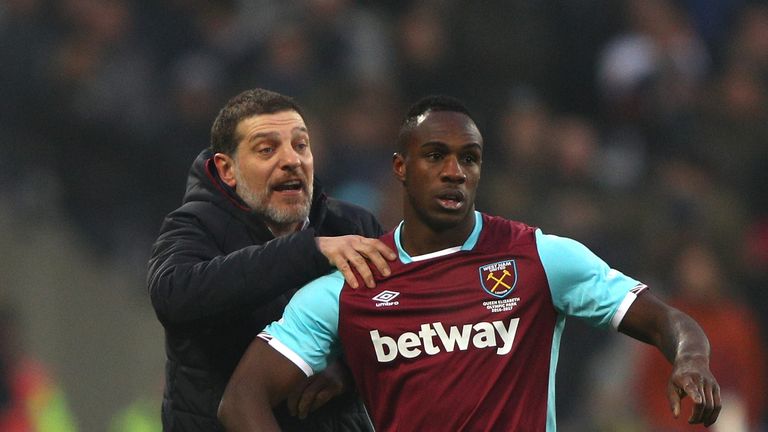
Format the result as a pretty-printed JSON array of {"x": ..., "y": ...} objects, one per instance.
[
  {"x": 307, "y": 334},
  {"x": 582, "y": 284}
]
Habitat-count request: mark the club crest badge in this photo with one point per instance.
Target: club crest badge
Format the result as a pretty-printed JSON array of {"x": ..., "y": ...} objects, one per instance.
[{"x": 499, "y": 279}]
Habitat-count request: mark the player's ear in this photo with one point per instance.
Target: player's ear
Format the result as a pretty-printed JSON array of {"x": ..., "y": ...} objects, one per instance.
[
  {"x": 398, "y": 166},
  {"x": 225, "y": 165}
]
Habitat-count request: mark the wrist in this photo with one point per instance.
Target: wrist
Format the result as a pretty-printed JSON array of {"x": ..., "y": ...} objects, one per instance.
[{"x": 700, "y": 358}]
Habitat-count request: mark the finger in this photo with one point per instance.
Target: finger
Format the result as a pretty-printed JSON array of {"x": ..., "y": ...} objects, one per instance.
[
  {"x": 708, "y": 404},
  {"x": 695, "y": 393},
  {"x": 306, "y": 401},
  {"x": 716, "y": 406},
  {"x": 349, "y": 275},
  {"x": 292, "y": 401},
  {"x": 361, "y": 266},
  {"x": 379, "y": 261},
  {"x": 673, "y": 395},
  {"x": 384, "y": 250},
  {"x": 321, "y": 398}
]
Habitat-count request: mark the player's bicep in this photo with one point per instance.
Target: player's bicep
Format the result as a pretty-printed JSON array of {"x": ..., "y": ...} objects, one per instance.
[
  {"x": 265, "y": 374},
  {"x": 261, "y": 380},
  {"x": 307, "y": 334},
  {"x": 645, "y": 319}
]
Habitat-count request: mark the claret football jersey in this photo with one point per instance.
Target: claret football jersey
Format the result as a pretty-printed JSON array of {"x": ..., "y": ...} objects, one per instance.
[{"x": 463, "y": 339}]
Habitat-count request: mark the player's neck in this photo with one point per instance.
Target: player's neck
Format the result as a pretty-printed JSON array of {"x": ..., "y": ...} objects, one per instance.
[{"x": 419, "y": 238}]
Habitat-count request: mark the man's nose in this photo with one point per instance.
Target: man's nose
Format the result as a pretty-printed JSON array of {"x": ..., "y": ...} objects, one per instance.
[
  {"x": 452, "y": 171},
  {"x": 289, "y": 158}
]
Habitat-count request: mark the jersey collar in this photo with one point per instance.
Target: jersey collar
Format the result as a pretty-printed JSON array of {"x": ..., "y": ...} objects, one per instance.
[{"x": 469, "y": 244}]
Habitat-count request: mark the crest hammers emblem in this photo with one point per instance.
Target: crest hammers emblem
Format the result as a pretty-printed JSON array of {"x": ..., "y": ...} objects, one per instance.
[
  {"x": 499, "y": 281},
  {"x": 500, "y": 278}
]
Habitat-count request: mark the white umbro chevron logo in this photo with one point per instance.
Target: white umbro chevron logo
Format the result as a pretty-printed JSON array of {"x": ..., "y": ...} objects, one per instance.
[{"x": 385, "y": 296}]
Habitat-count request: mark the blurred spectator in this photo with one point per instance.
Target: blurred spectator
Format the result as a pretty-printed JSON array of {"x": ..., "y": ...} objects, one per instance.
[
  {"x": 496, "y": 44},
  {"x": 290, "y": 64},
  {"x": 749, "y": 39},
  {"x": 30, "y": 398},
  {"x": 732, "y": 127},
  {"x": 516, "y": 166},
  {"x": 425, "y": 55},
  {"x": 685, "y": 202},
  {"x": 361, "y": 141},
  {"x": 650, "y": 75},
  {"x": 574, "y": 153},
  {"x": 755, "y": 244},
  {"x": 26, "y": 36},
  {"x": 704, "y": 289},
  {"x": 351, "y": 41},
  {"x": 100, "y": 116},
  {"x": 582, "y": 27},
  {"x": 103, "y": 69},
  {"x": 713, "y": 21}
]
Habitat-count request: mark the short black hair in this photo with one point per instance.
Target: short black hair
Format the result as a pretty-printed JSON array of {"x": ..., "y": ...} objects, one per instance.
[
  {"x": 246, "y": 104},
  {"x": 424, "y": 105}
]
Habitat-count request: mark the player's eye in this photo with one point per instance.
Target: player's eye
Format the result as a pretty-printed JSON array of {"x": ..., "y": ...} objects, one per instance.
[
  {"x": 469, "y": 159},
  {"x": 434, "y": 156}
]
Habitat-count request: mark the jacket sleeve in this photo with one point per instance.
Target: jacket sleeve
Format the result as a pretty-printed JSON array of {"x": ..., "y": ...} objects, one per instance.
[
  {"x": 373, "y": 228},
  {"x": 191, "y": 279},
  {"x": 348, "y": 218}
]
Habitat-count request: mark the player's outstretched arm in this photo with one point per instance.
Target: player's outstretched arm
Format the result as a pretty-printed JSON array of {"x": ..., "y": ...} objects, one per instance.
[
  {"x": 684, "y": 344},
  {"x": 262, "y": 379}
]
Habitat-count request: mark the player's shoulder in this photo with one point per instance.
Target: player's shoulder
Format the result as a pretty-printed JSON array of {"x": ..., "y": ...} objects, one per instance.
[
  {"x": 388, "y": 238},
  {"x": 556, "y": 243},
  {"x": 564, "y": 254},
  {"x": 516, "y": 232},
  {"x": 327, "y": 285}
]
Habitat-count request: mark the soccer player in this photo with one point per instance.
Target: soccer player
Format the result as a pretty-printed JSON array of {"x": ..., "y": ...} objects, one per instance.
[{"x": 464, "y": 334}]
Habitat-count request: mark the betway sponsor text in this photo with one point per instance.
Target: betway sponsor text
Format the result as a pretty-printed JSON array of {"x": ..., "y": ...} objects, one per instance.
[{"x": 433, "y": 338}]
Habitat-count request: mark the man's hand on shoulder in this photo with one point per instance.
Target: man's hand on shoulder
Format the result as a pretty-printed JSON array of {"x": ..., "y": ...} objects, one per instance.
[{"x": 361, "y": 254}]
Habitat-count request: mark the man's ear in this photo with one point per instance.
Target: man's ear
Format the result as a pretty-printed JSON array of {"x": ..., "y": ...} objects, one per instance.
[
  {"x": 398, "y": 166},
  {"x": 225, "y": 165}
]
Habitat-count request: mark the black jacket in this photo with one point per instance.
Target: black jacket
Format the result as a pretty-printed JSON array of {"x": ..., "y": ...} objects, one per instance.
[{"x": 217, "y": 276}]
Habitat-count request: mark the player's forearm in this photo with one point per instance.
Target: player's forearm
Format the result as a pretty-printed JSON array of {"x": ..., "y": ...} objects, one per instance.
[
  {"x": 683, "y": 339},
  {"x": 673, "y": 332}
]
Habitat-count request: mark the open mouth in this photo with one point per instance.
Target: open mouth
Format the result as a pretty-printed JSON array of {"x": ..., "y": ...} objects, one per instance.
[
  {"x": 451, "y": 200},
  {"x": 289, "y": 186}
]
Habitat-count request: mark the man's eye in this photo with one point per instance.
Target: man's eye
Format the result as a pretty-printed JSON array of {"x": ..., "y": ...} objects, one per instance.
[
  {"x": 266, "y": 150},
  {"x": 301, "y": 146},
  {"x": 434, "y": 156},
  {"x": 469, "y": 159}
]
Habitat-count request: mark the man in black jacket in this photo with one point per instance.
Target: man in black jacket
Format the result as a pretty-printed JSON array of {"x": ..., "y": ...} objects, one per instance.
[{"x": 254, "y": 226}]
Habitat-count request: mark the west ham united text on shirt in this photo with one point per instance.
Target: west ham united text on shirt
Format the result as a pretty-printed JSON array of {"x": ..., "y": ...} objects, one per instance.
[{"x": 434, "y": 338}]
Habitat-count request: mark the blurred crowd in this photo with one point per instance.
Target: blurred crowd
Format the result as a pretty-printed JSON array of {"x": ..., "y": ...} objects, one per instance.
[{"x": 639, "y": 127}]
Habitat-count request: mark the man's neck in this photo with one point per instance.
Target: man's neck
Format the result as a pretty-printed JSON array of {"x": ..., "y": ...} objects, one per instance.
[
  {"x": 279, "y": 230},
  {"x": 418, "y": 238}
]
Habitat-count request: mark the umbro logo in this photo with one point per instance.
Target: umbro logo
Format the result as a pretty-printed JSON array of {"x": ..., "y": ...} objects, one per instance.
[{"x": 386, "y": 298}]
